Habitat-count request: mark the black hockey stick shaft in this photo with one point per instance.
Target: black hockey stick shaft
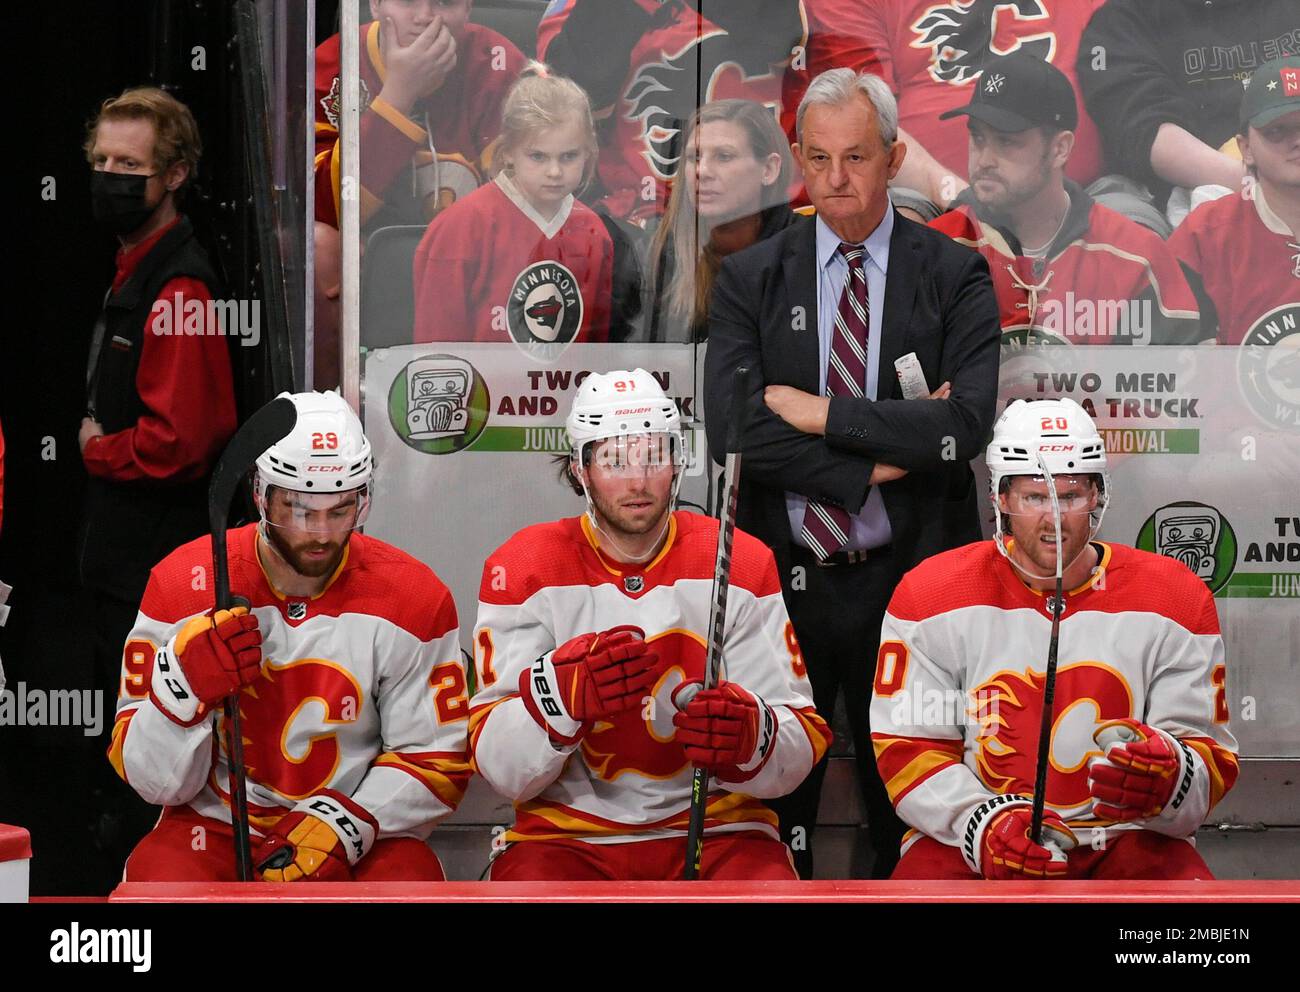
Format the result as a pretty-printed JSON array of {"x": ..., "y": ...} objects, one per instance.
[
  {"x": 740, "y": 393},
  {"x": 1045, "y": 727},
  {"x": 267, "y": 426},
  {"x": 1049, "y": 679}
]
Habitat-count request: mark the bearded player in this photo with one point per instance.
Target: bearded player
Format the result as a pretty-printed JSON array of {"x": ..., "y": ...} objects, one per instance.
[
  {"x": 1140, "y": 747},
  {"x": 348, "y": 671},
  {"x": 590, "y": 647}
]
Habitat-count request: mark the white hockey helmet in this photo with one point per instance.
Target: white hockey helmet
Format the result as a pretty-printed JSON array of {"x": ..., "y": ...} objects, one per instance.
[
  {"x": 621, "y": 403},
  {"x": 327, "y": 452},
  {"x": 1062, "y": 433}
]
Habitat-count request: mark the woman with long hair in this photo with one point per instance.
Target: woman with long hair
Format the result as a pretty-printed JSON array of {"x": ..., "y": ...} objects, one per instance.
[{"x": 731, "y": 193}]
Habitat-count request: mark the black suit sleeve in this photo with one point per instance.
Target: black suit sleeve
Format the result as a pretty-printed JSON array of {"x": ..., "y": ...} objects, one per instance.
[
  {"x": 932, "y": 435},
  {"x": 776, "y": 455}
]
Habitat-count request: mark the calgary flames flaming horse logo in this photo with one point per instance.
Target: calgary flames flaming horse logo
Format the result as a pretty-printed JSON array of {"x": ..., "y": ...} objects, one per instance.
[
  {"x": 962, "y": 35},
  {"x": 1009, "y": 708}
]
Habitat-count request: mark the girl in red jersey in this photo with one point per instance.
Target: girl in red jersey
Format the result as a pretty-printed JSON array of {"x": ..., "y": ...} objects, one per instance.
[{"x": 521, "y": 259}]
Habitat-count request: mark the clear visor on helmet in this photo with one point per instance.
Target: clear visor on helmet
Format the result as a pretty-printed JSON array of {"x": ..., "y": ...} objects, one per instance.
[
  {"x": 1075, "y": 493},
  {"x": 315, "y": 513},
  {"x": 632, "y": 455}
]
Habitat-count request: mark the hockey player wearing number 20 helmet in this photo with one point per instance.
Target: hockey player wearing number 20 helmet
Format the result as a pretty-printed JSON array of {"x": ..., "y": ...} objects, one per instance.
[
  {"x": 1138, "y": 745},
  {"x": 1064, "y": 436},
  {"x": 313, "y": 487},
  {"x": 627, "y": 451}
]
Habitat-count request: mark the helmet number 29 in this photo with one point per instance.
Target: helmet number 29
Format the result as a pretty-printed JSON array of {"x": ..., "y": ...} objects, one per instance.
[{"x": 322, "y": 441}]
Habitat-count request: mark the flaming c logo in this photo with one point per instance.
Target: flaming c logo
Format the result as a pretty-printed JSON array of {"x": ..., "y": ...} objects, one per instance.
[
  {"x": 272, "y": 709},
  {"x": 644, "y": 742},
  {"x": 1010, "y": 706}
]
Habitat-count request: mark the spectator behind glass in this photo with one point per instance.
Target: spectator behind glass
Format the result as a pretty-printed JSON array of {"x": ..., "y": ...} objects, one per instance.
[
  {"x": 1163, "y": 79},
  {"x": 931, "y": 54},
  {"x": 1065, "y": 269},
  {"x": 160, "y": 403},
  {"x": 520, "y": 259},
  {"x": 732, "y": 194},
  {"x": 649, "y": 65},
  {"x": 432, "y": 84},
  {"x": 1245, "y": 248}
]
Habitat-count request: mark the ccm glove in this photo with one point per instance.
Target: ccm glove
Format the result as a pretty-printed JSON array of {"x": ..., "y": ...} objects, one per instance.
[
  {"x": 998, "y": 844},
  {"x": 319, "y": 840},
  {"x": 727, "y": 730},
  {"x": 213, "y": 656},
  {"x": 591, "y": 677},
  {"x": 1137, "y": 777}
]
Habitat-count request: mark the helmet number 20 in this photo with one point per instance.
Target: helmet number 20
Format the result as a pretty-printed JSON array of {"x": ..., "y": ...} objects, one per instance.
[
  {"x": 323, "y": 441},
  {"x": 1054, "y": 423}
]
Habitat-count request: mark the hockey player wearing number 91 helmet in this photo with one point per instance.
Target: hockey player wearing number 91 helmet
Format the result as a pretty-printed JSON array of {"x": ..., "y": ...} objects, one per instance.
[
  {"x": 1140, "y": 749},
  {"x": 590, "y": 648},
  {"x": 346, "y": 667}
]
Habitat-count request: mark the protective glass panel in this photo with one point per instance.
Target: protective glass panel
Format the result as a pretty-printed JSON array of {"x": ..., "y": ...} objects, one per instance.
[{"x": 507, "y": 251}]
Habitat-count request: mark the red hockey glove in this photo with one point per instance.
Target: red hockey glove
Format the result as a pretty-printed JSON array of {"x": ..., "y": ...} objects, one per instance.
[
  {"x": 211, "y": 657},
  {"x": 724, "y": 728},
  {"x": 1005, "y": 848},
  {"x": 319, "y": 840},
  {"x": 587, "y": 678},
  {"x": 1137, "y": 777}
]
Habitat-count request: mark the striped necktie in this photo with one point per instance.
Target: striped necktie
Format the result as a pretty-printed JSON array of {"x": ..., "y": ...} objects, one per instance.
[{"x": 825, "y": 527}]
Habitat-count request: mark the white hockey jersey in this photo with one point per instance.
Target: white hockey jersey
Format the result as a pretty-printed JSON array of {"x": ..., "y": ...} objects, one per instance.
[
  {"x": 628, "y": 779},
  {"x": 958, "y": 692},
  {"x": 362, "y": 690}
]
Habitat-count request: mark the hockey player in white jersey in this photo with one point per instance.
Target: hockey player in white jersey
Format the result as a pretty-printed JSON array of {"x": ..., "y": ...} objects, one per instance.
[
  {"x": 590, "y": 644},
  {"x": 348, "y": 670},
  {"x": 1140, "y": 748}
]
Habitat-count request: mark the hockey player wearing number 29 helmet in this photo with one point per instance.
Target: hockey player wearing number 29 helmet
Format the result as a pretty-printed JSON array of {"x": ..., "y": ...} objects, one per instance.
[
  {"x": 351, "y": 759},
  {"x": 590, "y": 648},
  {"x": 1140, "y": 750}
]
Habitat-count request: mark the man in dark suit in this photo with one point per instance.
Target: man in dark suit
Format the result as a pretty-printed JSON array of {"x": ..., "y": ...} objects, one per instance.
[{"x": 848, "y": 482}]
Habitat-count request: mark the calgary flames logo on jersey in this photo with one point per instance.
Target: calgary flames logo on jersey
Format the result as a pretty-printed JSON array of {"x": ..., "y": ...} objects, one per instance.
[
  {"x": 663, "y": 95},
  {"x": 643, "y": 741},
  {"x": 961, "y": 36},
  {"x": 332, "y": 102},
  {"x": 289, "y": 750},
  {"x": 1009, "y": 710}
]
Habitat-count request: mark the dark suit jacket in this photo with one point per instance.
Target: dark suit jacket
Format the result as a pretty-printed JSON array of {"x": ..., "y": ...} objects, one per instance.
[{"x": 939, "y": 303}]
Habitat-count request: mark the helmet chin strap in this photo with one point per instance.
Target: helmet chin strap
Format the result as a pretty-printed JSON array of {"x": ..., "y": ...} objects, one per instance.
[
  {"x": 267, "y": 540},
  {"x": 663, "y": 529}
]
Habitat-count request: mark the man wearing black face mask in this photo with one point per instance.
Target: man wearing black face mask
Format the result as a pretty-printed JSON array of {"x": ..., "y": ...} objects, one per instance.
[{"x": 160, "y": 400}]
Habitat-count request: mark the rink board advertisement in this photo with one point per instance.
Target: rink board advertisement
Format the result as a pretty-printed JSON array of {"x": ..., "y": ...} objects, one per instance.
[{"x": 1203, "y": 445}]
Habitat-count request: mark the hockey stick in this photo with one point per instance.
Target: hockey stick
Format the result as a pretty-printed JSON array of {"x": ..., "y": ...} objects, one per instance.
[
  {"x": 1049, "y": 684},
  {"x": 263, "y": 429},
  {"x": 740, "y": 392}
]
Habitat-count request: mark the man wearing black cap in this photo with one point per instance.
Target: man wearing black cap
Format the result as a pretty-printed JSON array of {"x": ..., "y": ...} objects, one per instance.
[
  {"x": 1246, "y": 248},
  {"x": 1065, "y": 268}
]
